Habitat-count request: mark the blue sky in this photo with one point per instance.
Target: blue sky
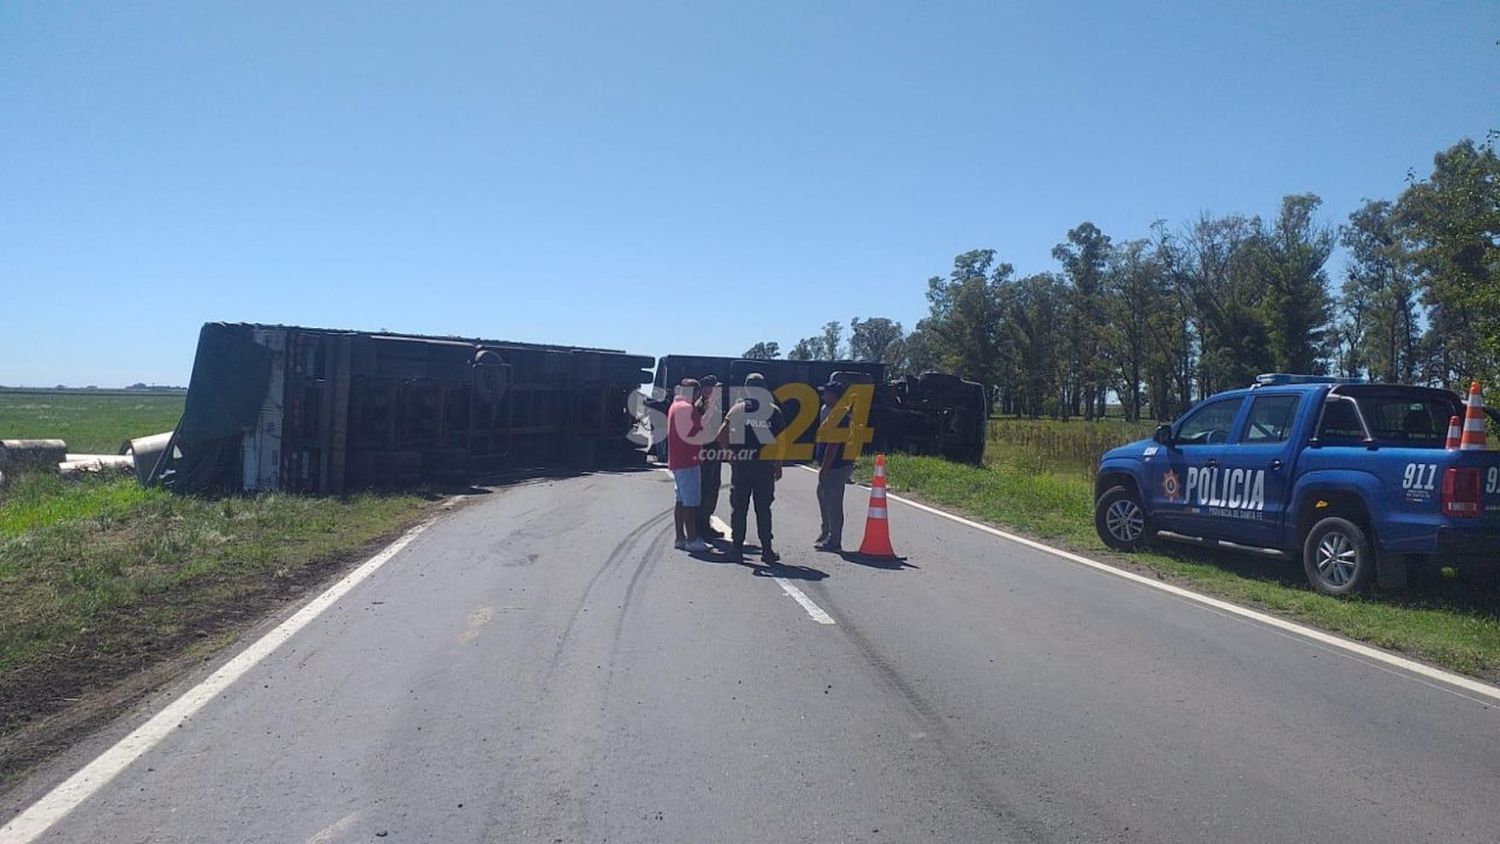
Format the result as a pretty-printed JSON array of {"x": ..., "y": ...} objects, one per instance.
[{"x": 660, "y": 177}]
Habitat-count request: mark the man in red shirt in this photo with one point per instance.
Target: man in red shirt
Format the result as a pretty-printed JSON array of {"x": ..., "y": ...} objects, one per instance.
[{"x": 684, "y": 439}]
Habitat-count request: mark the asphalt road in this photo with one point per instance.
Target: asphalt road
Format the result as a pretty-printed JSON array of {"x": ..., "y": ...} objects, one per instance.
[{"x": 543, "y": 666}]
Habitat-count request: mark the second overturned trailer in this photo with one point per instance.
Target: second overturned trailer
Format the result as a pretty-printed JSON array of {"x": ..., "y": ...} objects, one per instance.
[
  {"x": 933, "y": 413},
  {"x": 274, "y": 407}
]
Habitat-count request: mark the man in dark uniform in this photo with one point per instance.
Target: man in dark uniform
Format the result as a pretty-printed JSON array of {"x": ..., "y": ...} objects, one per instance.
[
  {"x": 711, "y": 467},
  {"x": 834, "y": 471},
  {"x": 752, "y": 474}
]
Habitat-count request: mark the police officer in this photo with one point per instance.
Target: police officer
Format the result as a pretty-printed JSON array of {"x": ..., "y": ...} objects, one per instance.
[
  {"x": 834, "y": 471},
  {"x": 711, "y": 467},
  {"x": 753, "y": 471}
]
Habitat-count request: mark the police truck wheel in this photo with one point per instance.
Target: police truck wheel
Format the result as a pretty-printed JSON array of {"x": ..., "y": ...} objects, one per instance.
[
  {"x": 1120, "y": 519},
  {"x": 1338, "y": 558}
]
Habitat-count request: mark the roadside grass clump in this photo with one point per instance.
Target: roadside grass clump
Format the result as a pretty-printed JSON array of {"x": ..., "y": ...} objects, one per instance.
[
  {"x": 1453, "y": 621},
  {"x": 38, "y": 499},
  {"x": 1045, "y": 504},
  {"x": 99, "y": 576}
]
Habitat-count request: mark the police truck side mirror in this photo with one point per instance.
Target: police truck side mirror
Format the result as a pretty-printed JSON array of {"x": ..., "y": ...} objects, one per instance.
[{"x": 1163, "y": 435}]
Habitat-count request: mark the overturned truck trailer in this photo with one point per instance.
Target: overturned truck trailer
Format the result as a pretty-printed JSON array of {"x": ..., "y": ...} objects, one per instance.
[
  {"x": 933, "y": 413},
  {"x": 274, "y": 407}
]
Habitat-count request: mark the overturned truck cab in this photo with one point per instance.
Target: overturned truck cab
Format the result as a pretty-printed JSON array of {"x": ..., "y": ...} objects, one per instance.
[{"x": 273, "y": 407}]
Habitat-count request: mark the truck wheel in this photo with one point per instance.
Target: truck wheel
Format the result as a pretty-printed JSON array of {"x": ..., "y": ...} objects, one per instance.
[
  {"x": 1120, "y": 520},
  {"x": 1338, "y": 558}
]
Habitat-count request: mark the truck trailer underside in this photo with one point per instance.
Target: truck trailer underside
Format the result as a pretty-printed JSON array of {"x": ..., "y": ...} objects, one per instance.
[{"x": 273, "y": 407}]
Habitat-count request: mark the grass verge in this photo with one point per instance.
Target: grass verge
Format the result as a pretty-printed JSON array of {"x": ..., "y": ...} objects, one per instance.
[
  {"x": 1450, "y": 621},
  {"x": 102, "y": 579}
]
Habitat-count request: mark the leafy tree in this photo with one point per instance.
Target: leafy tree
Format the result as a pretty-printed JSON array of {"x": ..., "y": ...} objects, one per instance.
[
  {"x": 1083, "y": 257},
  {"x": 875, "y": 339},
  {"x": 806, "y": 349},
  {"x": 1451, "y": 222},
  {"x": 1169, "y": 369},
  {"x": 1286, "y": 259},
  {"x": 829, "y": 347},
  {"x": 764, "y": 350},
  {"x": 965, "y": 316},
  {"x": 1218, "y": 299},
  {"x": 1376, "y": 331},
  {"x": 1033, "y": 330},
  {"x": 919, "y": 351},
  {"x": 1347, "y": 336},
  {"x": 1136, "y": 295}
]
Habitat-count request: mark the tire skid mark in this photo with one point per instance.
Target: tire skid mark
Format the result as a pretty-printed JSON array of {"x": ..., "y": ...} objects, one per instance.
[
  {"x": 561, "y": 792},
  {"x": 627, "y": 608},
  {"x": 653, "y": 552},
  {"x": 1019, "y": 825},
  {"x": 620, "y": 550}
]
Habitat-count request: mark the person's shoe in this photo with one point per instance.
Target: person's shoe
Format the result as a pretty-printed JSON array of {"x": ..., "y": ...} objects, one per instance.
[
  {"x": 820, "y": 541},
  {"x": 680, "y": 544},
  {"x": 769, "y": 557},
  {"x": 697, "y": 546},
  {"x": 711, "y": 532},
  {"x": 737, "y": 553},
  {"x": 830, "y": 548}
]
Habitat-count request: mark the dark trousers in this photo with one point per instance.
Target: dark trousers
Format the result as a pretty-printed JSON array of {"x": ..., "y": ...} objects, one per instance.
[
  {"x": 712, "y": 471},
  {"x": 831, "y": 484},
  {"x": 751, "y": 479}
]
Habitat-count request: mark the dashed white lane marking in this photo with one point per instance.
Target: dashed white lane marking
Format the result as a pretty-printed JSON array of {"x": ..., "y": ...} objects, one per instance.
[
  {"x": 787, "y": 586},
  {"x": 816, "y": 612},
  {"x": 807, "y": 603},
  {"x": 1490, "y": 694},
  {"x": 41, "y": 815}
]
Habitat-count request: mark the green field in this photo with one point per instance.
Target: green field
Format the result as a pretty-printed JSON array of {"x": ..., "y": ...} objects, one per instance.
[
  {"x": 89, "y": 423},
  {"x": 104, "y": 581},
  {"x": 1037, "y": 479}
]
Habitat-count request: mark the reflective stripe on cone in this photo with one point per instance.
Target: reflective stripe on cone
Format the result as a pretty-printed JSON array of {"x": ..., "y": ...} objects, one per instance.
[
  {"x": 877, "y": 541},
  {"x": 1473, "y": 438}
]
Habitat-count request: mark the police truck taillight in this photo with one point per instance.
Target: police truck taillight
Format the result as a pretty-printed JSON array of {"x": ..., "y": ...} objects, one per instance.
[{"x": 1461, "y": 493}]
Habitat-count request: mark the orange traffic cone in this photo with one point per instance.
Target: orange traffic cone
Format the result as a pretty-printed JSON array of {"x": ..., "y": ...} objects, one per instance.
[
  {"x": 877, "y": 542},
  {"x": 1473, "y": 437},
  {"x": 1455, "y": 428}
]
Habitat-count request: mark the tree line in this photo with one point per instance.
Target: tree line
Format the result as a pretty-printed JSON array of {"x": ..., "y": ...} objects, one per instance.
[{"x": 1158, "y": 322}]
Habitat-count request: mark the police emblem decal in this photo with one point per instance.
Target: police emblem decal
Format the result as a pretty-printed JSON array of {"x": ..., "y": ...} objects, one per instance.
[{"x": 1170, "y": 486}]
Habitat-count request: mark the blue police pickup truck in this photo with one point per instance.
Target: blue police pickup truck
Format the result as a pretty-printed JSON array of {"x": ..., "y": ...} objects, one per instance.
[{"x": 1354, "y": 478}]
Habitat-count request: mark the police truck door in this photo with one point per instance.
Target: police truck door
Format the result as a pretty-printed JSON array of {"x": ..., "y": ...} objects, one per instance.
[
  {"x": 1250, "y": 489},
  {"x": 1180, "y": 471}
]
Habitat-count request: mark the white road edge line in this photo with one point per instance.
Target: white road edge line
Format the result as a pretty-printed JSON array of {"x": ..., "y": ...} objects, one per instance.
[
  {"x": 67, "y": 795},
  {"x": 1485, "y": 690}
]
